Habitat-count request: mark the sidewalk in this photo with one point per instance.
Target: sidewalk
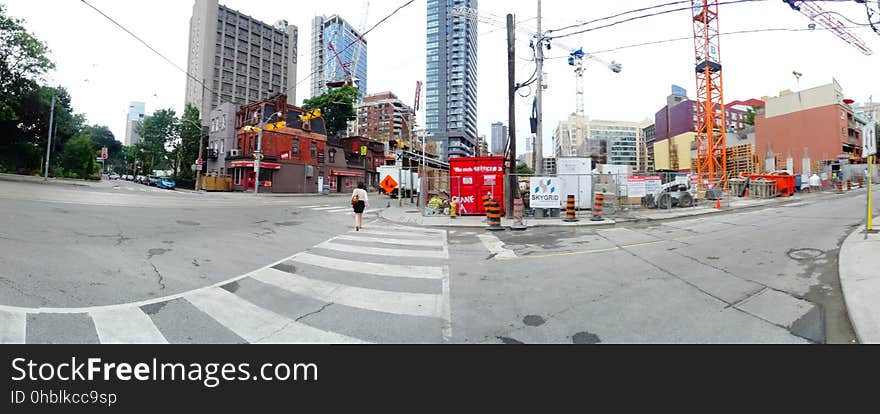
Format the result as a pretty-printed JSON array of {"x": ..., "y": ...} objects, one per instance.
[
  {"x": 859, "y": 269},
  {"x": 40, "y": 180},
  {"x": 410, "y": 214}
]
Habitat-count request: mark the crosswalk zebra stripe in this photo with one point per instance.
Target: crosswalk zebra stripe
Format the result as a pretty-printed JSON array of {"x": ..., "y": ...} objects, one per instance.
[
  {"x": 383, "y": 232},
  {"x": 405, "y": 242},
  {"x": 378, "y": 251},
  {"x": 329, "y": 208},
  {"x": 414, "y": 229},
  {"x": 322, "y": 205},
  {"x": 399, "y": 303},
  {"x": 258, "y": 325},
  {"x": 126, "y": 326},
  {"x": 13, "y": 327},
  {"x": 378, "y": 269}
]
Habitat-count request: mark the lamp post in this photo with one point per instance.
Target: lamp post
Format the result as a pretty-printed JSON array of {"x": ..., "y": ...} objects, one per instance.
[{"x": 259, "y": 153}]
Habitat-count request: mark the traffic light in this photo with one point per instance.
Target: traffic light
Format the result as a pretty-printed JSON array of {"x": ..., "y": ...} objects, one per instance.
[{"x": 276, "y": 126}]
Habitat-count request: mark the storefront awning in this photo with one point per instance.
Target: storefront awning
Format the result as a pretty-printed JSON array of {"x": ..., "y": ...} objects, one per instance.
[
  {"x": 347, "y": 173},
  {"x": 250, "y": 164}
]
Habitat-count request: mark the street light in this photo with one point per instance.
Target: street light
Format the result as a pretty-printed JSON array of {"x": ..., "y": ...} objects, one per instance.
[{"x": 259, "y": 153}]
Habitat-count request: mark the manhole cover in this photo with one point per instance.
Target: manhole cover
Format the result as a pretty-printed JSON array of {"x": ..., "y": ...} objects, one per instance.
[{"x": 805, "y": 254}]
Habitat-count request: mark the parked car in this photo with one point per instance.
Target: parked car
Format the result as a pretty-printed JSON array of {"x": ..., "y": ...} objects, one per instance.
[
  {"x": 166, "y": 183},
  {"x": 113, "y": 176},
  {"x": 129, "y": 177},
  {"x": 152, "y": 180},
  {"x": 140, "y": 179}
]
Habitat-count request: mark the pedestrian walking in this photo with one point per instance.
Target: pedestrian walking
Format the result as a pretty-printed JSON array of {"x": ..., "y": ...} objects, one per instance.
[{"x": 359, "y": 202}]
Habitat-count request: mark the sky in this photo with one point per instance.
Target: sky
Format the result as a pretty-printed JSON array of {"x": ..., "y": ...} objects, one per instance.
[{"x": 104, "y": 68}]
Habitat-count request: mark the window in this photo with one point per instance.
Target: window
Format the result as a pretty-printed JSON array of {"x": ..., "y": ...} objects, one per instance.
[
  {"x": 843, "y": 132},
  {"x": 313, "y": 150},
  {"x": 295, "y": 147},
  {"x": 332, "y": 156}
]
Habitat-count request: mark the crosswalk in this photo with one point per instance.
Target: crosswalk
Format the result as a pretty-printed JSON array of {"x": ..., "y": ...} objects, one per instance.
[
  {"x": 388, "y": 284},
  {"x": 339, "y": 210}
]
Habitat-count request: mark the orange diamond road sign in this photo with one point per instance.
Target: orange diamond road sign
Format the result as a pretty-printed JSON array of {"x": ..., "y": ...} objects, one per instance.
[{"x": 388, "y": 184}]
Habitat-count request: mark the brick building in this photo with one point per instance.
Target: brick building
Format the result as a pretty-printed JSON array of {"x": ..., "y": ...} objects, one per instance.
[{"x": 382, "y": 116}]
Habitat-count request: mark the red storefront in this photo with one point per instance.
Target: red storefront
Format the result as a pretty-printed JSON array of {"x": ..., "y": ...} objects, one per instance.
[{"x": 471, "y": 178}]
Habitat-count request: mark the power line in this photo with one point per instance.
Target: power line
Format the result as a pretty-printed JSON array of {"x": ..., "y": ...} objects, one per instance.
[
  {"x": 189, "y": 75},
  {"x": 642, "y": 17},
  {"x": 616, "y": 15},
  {"x": 364, "y": 34}
]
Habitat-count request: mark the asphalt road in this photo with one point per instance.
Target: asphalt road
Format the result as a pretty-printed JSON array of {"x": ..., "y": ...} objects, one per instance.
[{"x": 120, "y": 262}]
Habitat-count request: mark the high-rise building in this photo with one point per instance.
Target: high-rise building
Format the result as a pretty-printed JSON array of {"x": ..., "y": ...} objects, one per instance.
[
  {"x": 239, "y": 59},
  {"x": 136, "y": 116},
  {"x": 648, "y": 138},
  {"x": 348, "y": 47},
  {"x": 606, "y": 142},
  {"x": 500, "y": 139},
  {"x": 382, "y": 116},
  {"x": 451, "y": 98}
]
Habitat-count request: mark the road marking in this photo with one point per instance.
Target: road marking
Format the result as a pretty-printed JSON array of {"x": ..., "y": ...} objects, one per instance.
[
  {"x": 328, "y": 208},
  {"x": 580, "y": 252},
  {"x": 447, "y": 307},
  {"x": 398, "y": 303},
  {"x": 422, "y": 242},
  {"x": 378, "y": 269},
  {"x": 322, "y": 205},
  {"x": 414, "y": 229},
  {"x": 126, "y": 326},
  {"x": 382, "y": 232},
  {"x": 378, "y": 251},
  {"x": 13, "y": 327},
  {"x": 496, "y": 246},
  {"x": 258, "y": 325}
]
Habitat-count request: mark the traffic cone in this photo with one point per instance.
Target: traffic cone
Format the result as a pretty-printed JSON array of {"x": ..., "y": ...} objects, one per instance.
[{"x": 718, "y": 204}]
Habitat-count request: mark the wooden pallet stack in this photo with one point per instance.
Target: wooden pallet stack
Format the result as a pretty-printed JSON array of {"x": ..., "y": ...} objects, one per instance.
[{"x": 740, "y": 160}]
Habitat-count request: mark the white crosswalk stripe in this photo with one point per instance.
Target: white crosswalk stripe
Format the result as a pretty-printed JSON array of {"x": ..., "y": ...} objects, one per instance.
[
  {"x": 258, "y": 325},
  {"x": 126, "y": 326},
  {"x": 13, "y": 327},
  {"x": 397, "y": 233},
  {"x": 414, "y": 304},
  {"x": 378, "y": 269},
  {"x": 328, "y": 208},
  {"x": 378, "y": 251},
  {"x": 404, "y": 242}
]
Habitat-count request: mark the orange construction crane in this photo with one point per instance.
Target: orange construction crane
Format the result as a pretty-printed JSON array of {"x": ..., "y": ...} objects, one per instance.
[
  {"x": 819, "y": 15},
  {"x": 711, "y": 125}
]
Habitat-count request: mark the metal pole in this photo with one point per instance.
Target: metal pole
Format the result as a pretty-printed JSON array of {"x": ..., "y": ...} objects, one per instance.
[
  {"x": 201, "y": 166},
  {"x": 539, "y": 136},
  {"x": 259, "y": 154},
  {"x": 49, "y": 143},
  {"x": 511, "y": 114},
  {"x": 870, "y": 222}
]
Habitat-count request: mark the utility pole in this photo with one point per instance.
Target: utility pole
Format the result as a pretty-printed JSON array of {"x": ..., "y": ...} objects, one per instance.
[
  {"x": 539, "y": 136},
  {"x": 512, "y": 181},
  {"x": 49, "y": 142}
]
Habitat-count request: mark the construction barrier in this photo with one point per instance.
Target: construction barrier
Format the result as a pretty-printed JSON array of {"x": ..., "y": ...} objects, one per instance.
[
  {"x": 848, "y": 185},
  {"x": 493, "y": 213},
  {"x": 598, "y": 205},
  {"x": 570, "y": 213},
  {"x": 486, "y": 201},
  {"x": 861, "y": 182},
  {"x": 840, "y": 186},
  {"x": 518, "y": 212}
]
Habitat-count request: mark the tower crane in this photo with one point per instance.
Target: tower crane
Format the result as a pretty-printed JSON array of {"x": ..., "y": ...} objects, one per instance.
[
  {"x": 361, "y": 42},
  {"x": 576, "y": 56},
  {"x": 711, "y": 128},
  {"x": 819, "y": 15},
  {"x": 347, "y": 79}
]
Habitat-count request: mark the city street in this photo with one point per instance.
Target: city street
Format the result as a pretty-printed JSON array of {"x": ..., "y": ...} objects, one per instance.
[{"x": 118, "y": 262}]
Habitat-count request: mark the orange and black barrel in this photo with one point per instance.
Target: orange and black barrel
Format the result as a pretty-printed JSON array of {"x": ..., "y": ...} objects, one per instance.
[
  {"x": 598, "y": 206},
  {"x": 570, "y": 213},
  {"x": 518, "y": 213},
  {"x": 493, "y": 212}
]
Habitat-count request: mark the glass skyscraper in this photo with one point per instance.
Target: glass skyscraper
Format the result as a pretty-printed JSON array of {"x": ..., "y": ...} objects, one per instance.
[
  {"x": 451, "y": 99},
  {"x": 327, "y": 68}
]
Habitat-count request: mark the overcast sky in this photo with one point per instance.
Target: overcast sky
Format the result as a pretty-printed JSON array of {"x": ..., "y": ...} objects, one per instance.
[{"x": 104, "y": 68}]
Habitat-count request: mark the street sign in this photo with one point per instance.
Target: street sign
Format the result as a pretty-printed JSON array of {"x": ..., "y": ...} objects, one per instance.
[
  {"x": 869, "y": 140},
  {"x": 388, "y": 184},
  {"x": 199, "y": 161},
  {"x": 544, "y": 192},
  {"x": 104, "y": 153},
  {"x": 363, "y": 150}
]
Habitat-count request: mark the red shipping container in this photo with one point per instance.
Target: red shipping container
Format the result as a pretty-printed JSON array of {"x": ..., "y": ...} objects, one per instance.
[{"x": 471, "y": 178}]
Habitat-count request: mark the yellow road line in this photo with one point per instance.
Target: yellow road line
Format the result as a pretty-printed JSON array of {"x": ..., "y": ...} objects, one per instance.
[{"x": 606, "y": 250}]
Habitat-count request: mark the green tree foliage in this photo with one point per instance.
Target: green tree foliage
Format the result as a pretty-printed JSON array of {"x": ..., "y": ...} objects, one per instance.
[
  {"x": 187, "y": 150},
  {"x": 23, "y": 61},
  {"x": 159, "y": 133},
  {"x": 337, "y": 107},
  {"x": 103, "y": 137},
  {"x": 750, "y": 114},
  {"x": 523, "y": 169},
  {"x": 78, "y": 156}
]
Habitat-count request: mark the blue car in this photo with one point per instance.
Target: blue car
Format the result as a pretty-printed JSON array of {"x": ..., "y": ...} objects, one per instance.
[{"x": 166, "y": 183}]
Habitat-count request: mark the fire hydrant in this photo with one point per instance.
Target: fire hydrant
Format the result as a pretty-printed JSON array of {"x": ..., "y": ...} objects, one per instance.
[{"x": 453, "y": 206}]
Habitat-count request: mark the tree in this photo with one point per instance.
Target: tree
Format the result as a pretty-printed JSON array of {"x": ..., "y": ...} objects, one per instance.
[
  {"x": 523, "y": 169},
  {"x": 23, "y": 61},
  {"x": 337, "y": 107},
  {"x": 78, "y": 156},
  {"x": 103, "y": 137},
  {"x": 750, "y": 114},
  {"x": 159, "y": 132},
  {"x": 187, "y": 151}
]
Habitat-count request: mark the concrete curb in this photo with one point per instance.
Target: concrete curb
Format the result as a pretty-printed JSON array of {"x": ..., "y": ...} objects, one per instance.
[
  {"x": 39, "y": 180},
  {"x": 859, "y": 272}
]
